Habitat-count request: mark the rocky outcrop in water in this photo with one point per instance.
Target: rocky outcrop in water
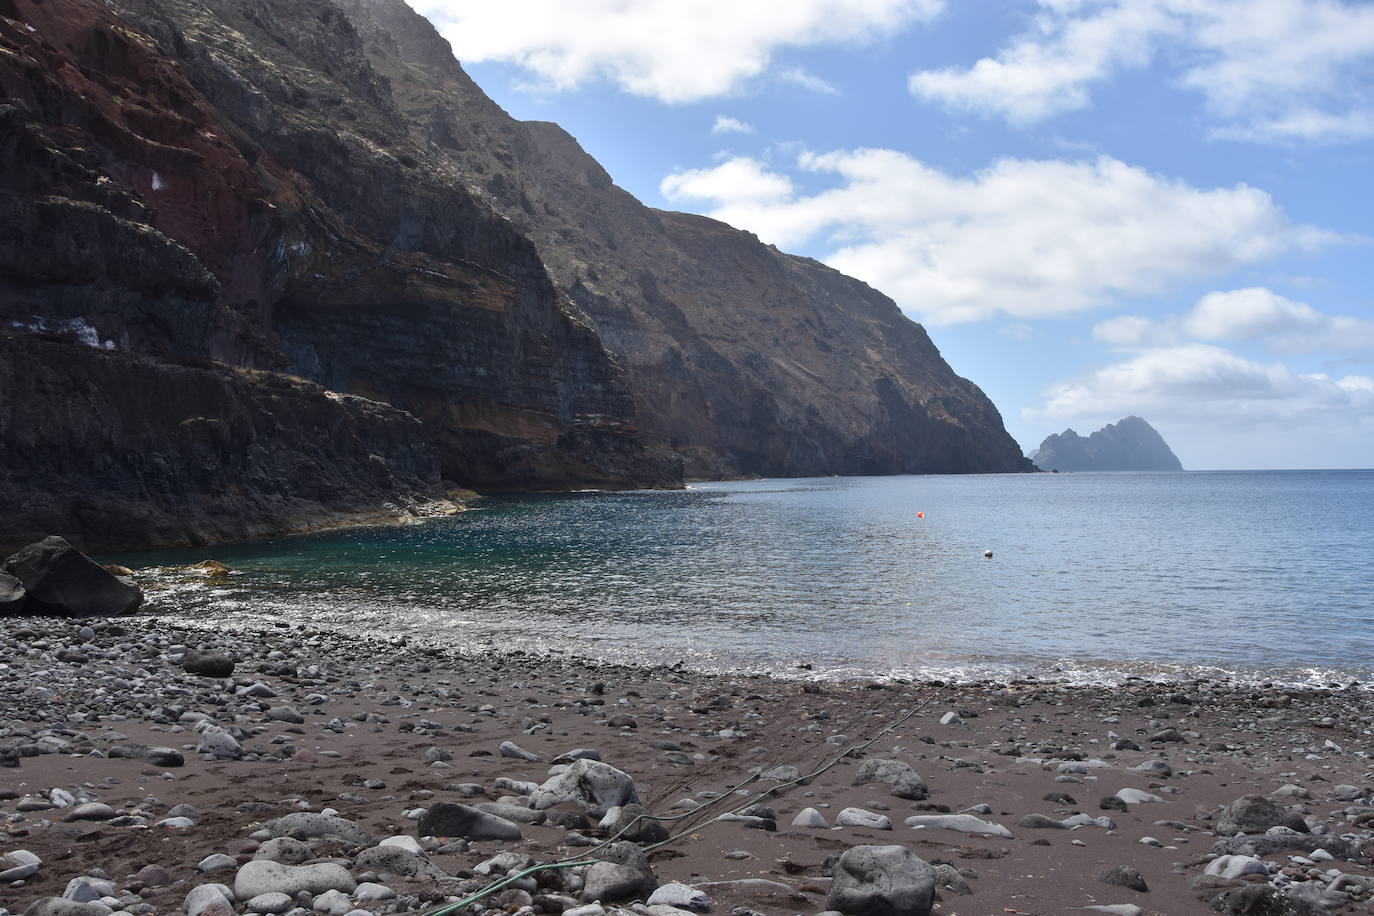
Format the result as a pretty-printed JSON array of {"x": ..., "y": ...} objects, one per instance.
[
  {"x": 314, "y": 187},
  {"x": 1127, "y": 445}
]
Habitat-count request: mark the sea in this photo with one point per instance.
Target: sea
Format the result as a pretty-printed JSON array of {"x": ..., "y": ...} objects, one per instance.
[{"x": 1251, "y": 576}]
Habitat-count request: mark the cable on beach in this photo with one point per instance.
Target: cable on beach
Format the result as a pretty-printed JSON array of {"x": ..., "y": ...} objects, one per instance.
[{"x": 585, "y": 858}]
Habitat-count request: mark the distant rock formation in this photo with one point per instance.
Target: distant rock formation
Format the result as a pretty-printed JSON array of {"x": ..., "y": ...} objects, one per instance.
[{"x": 1128, "y": 445}]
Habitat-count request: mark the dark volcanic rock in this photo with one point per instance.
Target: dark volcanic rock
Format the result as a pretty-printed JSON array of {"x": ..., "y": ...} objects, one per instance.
[
  {"x": 1256, "y": 814},
  {"x": 209, "y": 664},
  {"x": 882, "y": 881},
  {"x": 1128, "y": 445},
  {"x": 60, "y": 579},
  {"x": 12, "y": 594}
]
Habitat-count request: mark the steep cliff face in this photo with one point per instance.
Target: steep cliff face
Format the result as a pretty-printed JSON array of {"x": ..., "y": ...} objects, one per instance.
[
  {"x": 1127, "y": 445},
  {"x": 120, "y": 451},
  {"x": 742, "y": 359},
  {"x": 233, "y": 180}
]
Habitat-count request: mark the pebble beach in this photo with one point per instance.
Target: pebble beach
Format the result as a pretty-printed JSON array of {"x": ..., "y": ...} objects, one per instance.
[{"x": 153, "y": 768}]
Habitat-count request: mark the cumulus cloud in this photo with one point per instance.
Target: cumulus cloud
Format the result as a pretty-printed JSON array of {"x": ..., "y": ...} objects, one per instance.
[
  {"x": 671, "y": 50},
  {"x": 1282, "y": 325},
  {"x": 1268, "y": 70},
  {"x": 727, "y": 125},
  {"x": 1022, "y": 238}
]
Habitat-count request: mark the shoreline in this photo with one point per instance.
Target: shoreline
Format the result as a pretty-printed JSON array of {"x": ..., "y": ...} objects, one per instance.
[{"x": 330, "y": 721}]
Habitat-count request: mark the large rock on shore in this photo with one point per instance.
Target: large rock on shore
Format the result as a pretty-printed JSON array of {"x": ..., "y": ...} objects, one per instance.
[
  {"x": 262, "y": 876},
  {"x": 59, "y": 579},
  {"x": 1256, "y": 814},
  {"x": 882, "y": 881},
  {"x": 599, "y": 787},
  {"x": 12, "y": 594},
  {"x": 450, "y": 820}
]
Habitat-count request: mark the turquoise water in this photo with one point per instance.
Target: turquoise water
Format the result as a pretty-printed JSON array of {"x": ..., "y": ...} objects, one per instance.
[{"x": 1264, "y": 575}]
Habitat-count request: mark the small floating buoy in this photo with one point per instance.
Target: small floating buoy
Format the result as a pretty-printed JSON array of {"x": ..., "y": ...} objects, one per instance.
[
  {"x": 920, "y": 515},
  {"x": 987, "y": 554}
]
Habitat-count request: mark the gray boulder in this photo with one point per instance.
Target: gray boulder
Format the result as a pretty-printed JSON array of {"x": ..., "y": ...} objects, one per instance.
[
  {"x": 220, "y": 744},
  {"x": 12, "y": 595},
  {"x": 56, "y": 906},
  {"x": 397, "y": 861},
  {"x": 597, "y": 786},
  {"x": 18, "y": 865},
  {"x": 286, "y": 850},
  {"x": 207, "y": 664},
  {"x": 209, "y": 900},
  {"x": 882, "y": 881},
  {"x": 450, "y": 820},
  {"x": 611, "y": 882},
  {"x": 59, "y": 579},
  {"x": 263, "y": 876},
  {"x": 1256, "y": 814},
  {"x": 903, "y": 781},
  {"x": 305, "y": 825}
]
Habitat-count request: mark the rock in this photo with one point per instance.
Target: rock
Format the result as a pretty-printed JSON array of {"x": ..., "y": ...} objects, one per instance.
[
  {"x": 963, "y": 823},
  {"x": 1112, "y": 803},
  {"x": 85, "y": 889},
  {"x": 332, "y": 903},
  {"x": 811, "y": 819},
  {"x": 273, "y": 904},
  {"x": 263, "y": 876},
  {"x": 858, "y": 817},
  {"x": 1264, "y": 900},
  {"x": 370, "y": 890},
  {"x": 306, "y": 825},
  {"x": 450, "y": 820},
  {"x": 154, "y": 876},
  {"x": 1130, "y": 444},
  {"x": 12, "y": 595},
  {"x": 610, "y": 882},
  {"x": 209, "y": 900},
  {"x": 632, "y": 822},
  {"x": 597, "y": 786},
  {"x": 782, "y": 773},
  {"x": 1256, "y": 814},
  {"x": 1124, "y": 876},
  {"x": 407, "y": 843},
  {"x": 1168, "y": 736},
  {"x": 682, "y": 896},
  {"x": 286, "y": 850},
  {"x": 168, "y": 757},
  {"x": 514, "y": 813},
  {"x": 1154, "y": 767},
  {"x": 90, "y": 811},
  {"x": 578, "y": 753},
  {"x": 59, "y": 579},
  {"x": 17, "y": 865},
  {"x": 904, "y": 781},
  {"x": 511, "y": 749},
  {"x": 396, "y": 860},
  {"x": 882, "y": 881},
  {"x": 220, "y": 744},
  {"x": 285, "y": 714},
  {"x": 1232, "y": 867},
  {"x": 56, "y": 906},
  {"x": 1138, "y": 797},
  {"x": 216, "y": 862},
  {"x": 208, "y": 664}
]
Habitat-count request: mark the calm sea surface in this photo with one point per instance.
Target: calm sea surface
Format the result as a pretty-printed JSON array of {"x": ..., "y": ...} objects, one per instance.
[{"x": 1266, "y": 575}]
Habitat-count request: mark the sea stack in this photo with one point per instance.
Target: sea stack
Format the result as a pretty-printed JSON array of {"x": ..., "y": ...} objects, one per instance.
[{"x": 1130, "y": 444}]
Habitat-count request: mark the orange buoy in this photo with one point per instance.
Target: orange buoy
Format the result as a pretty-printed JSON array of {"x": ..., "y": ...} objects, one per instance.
[{"x": 920, "y": 515}]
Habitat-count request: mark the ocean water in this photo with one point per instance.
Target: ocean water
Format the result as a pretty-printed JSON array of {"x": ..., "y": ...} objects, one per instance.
[{"x": 1254, "y": 575}]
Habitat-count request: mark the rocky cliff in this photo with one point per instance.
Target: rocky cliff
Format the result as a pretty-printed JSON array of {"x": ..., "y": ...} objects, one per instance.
[
  {"x": 314, "y": 187},
  {"x": 742, "y": 359},
  {"x": 1127, "y": 445}
]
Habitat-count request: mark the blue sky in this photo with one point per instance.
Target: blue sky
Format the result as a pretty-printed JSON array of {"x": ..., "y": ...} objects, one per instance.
[{"x": 1095, "y": 207}]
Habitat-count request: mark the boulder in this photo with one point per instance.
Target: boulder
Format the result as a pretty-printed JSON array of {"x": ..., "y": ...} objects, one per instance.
[
  {"x": 59, "y": 579},
  {"x": 286, "y": 850},
  {"x": 635, "y": 822},
  {"x": 398, "y": 861},
  {"x": 1256, "y": 814},
  {"x": 56, "y": 906},
  {"x": 207, "y": 664},
  {"x": 12, "y": 595},
  {"x": 597, "y": 786},
  {"x": 263, "y": 876},
  {"x": 305, "y": 825},
  {"x": 18, "y": 865},
  {"x": 450, "y": 820},
  {"x": 882, "y": 881},
  {"x": 904, "y": 781}
]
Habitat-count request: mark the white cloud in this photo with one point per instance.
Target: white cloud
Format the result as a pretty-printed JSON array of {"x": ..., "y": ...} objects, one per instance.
[
  {"x": 1252, "y": 314},
  {"x": 807, "y": 81},
  {"x": 671, "y": 50},
  {"x": 727, "y": 125},
  {"x": 1024, "y": 238},
  {"x": 1269, "y": 70}
]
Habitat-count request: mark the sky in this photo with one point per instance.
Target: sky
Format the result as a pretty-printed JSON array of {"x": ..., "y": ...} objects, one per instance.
[{"x": 1095, "y": 207}]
